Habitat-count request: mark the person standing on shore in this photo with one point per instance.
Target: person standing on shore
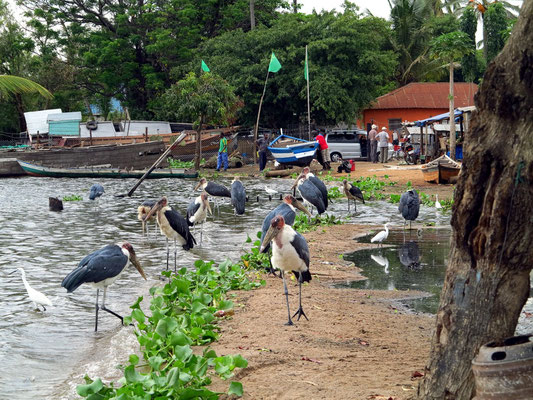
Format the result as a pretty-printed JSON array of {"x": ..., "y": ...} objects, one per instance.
[
  {"x": 324, "y": 150},
  {"x": 262, "y": 146},
  {"x": 372, "y": 137},
  {"x": 383, "y": 139},
  {"x": 222, "y": 153}
]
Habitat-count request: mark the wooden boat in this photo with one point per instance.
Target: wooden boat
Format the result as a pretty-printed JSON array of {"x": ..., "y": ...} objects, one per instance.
[
  {"x": 103, "y": 172},
  {"x": 441, "y": 170},
  {"x": 289, "y": 150}
]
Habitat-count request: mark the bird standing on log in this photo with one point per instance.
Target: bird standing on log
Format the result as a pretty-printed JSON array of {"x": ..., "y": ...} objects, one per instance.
[
  {"x": 289, "y": 253},
  {"x": 173, "y": 226},
  {"x": 238, "y": 196},
  {"x": 35, "y": 296},
  {"x": 101, "y": 268},
  {"x": 142, "y": 211},
  {"x": 197, "y": 212},
  {"x": 96, "y": 191},
  {"x": 352, "y": 192},
  {"x": 409, "y": 206}
]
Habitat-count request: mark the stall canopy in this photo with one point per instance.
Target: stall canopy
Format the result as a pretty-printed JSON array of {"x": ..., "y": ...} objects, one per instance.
[{"x": 439, "y": 117}]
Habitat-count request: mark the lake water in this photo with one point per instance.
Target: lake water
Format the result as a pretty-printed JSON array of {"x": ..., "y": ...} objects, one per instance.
[{"x": 44, "y": 355}]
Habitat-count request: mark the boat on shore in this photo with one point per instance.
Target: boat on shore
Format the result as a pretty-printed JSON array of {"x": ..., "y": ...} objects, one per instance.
[
  {"x": 103, "y": 172},
  {"x": 441, "y": 170},
  {"x": 289, "y": 150}
]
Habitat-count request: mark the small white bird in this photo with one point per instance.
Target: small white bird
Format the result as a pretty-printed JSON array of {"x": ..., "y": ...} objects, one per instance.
[
  {"x": 34, "y": 295},
  {"x": 383, "y": 261},
  {"x": 270, "y": 191},
  {"x": 381, "y": 236},
  {"x": 438, "y": 206}
]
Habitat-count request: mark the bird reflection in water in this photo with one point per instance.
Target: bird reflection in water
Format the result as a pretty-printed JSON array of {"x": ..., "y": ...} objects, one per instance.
[
  {"x": 383, "y": 261},
  {"x": 409, "y": 255}
]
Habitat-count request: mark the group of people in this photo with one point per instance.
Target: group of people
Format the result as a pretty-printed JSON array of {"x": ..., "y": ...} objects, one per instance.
[{"x": 379, "y": 143}]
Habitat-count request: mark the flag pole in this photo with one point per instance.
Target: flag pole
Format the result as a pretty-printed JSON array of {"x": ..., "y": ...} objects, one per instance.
[
  {"x": 256, "y": 128},
  {"x": 308, "y": 105}
]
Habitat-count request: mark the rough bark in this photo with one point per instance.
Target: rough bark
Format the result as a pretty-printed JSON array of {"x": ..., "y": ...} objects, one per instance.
[{"x": 487, "y": 280}]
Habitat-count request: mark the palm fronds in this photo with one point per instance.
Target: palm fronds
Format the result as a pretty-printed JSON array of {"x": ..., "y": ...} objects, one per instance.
[{"x": 10, "y": 84}]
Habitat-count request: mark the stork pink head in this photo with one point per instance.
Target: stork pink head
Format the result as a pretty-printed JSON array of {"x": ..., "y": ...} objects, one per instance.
[
  {"x": 128, "y": 247},
  {"x": 306, "y": 170},
  {"x": 289, "y": 199},
  {"x": 278, "y": 222},
  {"x": 133, "y": 258}
]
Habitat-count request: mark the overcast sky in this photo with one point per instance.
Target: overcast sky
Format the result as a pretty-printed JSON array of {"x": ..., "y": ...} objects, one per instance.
[{"x": 379, "y": 8}]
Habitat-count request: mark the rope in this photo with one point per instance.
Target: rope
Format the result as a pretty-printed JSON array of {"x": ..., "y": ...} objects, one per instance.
[{"x": 517, "y": 180}]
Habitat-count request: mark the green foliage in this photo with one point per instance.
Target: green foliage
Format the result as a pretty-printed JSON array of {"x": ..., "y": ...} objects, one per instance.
[
  {"x": 496, "y": 28},
  {"x": 335, "y": 192},
  {"x": 254, "y": 259},
  {"x": 468, "y": 25},
  {"x": 182, "y": 314},
  {"x": 173, "y": 163},
  {"x": 451, "y": 46},
  {"x": 304, "y": 224},
  {"x": 73, "y": 197}
]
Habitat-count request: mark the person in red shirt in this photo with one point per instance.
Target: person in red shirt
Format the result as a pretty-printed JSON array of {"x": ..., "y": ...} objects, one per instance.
[{"x": 324, "y": 151}]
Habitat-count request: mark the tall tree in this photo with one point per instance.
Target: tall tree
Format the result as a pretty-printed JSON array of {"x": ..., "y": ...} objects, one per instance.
[
  {"x": 449, "y": 48},
  {"x": 468, "y": 25},
  {"x": 204, "y": 99},
  {"x": 496, "y": 27},
  {"x": 487, "y": 280}
]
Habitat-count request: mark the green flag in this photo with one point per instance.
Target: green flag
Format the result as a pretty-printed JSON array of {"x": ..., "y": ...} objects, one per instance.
[
  {"x": 274, "y": 65},
  {"x": 205, "y": 68},
  {"x": 306, "y": 67}
]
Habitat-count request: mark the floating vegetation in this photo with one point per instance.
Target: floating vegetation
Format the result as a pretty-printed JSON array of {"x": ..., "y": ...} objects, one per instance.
[{"x": 73, "y": 197}]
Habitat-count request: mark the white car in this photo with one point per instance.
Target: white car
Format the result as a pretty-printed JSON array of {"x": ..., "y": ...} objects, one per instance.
[{"x": 350, "y": 144}]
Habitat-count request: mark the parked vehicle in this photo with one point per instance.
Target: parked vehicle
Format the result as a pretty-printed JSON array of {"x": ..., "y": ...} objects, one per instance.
[
  {"x": 347, "y": 144},
  {"x": 411, "y": 154}
]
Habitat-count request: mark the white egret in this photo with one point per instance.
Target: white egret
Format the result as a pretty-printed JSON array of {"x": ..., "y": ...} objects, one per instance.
[{"x": 34, "y": 295}]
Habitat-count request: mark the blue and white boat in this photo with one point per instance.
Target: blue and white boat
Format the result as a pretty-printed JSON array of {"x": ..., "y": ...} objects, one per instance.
[{"x": 289, "y": 150}]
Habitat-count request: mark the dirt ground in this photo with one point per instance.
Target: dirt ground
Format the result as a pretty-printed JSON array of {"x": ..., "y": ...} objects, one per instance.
[{"x": 357, "y": 344}]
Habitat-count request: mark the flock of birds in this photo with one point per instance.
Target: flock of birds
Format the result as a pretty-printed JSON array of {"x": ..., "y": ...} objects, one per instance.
[{"x": 290, "y": 252}]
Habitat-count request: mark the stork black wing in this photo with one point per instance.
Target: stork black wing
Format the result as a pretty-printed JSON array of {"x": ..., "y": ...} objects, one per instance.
[
  {"x": 356, "y": 192},
  {"x": 102, "y": 264},
  {"x": 238, "y": 197},
  {"x": 191, "y": 210},
  {"x": 214, "y": 189},
  {"x": 302, "y": 249},
  {"x": 322, "y": 187},
  {"x": 179, "y": 224},
  {"x": 311, "y": 193}
]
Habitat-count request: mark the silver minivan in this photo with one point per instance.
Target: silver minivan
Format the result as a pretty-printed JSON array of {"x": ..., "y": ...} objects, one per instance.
[{"x": 347, "y": 144}]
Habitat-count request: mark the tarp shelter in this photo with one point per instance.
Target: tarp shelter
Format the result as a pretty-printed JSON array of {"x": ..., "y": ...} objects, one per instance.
[
  {"x": 436, "y": 118},
  {"x": 64, "y": 124},
  {"x": 37, "y": 121}
]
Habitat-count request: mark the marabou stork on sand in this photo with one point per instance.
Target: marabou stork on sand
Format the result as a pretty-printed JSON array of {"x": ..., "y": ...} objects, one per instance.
[
  {"x": 173, "y": 225},
  {"x": 213, "y": 189},
  {"x": 310, "y": 193},
  {"x": 96, "y": 191},
  {"x": 352, "y": 192},
  {"x": 409, "y": 206},
  {"x": 101, "y": 268},
  {"x": 289, "y": 253},
  {"x": 35, "y": 296},
  {"x": 142, "y": 211},
  {"x": 197, "y": 212},
  {"x": 238, "y": 196}
]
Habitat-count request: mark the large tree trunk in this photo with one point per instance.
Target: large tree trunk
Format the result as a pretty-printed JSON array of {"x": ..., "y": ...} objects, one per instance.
[
  {"x": 487, "y": 280},
  {"x": 452, "y": 115}
]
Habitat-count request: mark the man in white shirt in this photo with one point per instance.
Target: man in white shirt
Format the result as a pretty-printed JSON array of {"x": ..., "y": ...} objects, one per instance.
[{"x": 383, "y": 144}]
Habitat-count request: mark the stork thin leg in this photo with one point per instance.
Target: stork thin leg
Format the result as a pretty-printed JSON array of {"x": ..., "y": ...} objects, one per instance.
[
  {"x": 175, "y": 256},
  {"x": 300, "y": 311},
  {"x": 348, "y": 205},
  {"x": 96, "y": 318},
  {"x": 108, "y": 310},
  {"x": 289, "y": 322},
  {"x": 202, "y": 232},
  {"x": 144, "y": 228},
  {"x": 168, "y": 250}
]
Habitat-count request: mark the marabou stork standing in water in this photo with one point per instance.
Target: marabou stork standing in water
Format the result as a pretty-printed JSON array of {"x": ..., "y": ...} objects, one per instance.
[
  {"x": 197, "y": 212},
  {"x": 310, "y": 193},
  {"x": 173, "y": 226},
  {"x": 409, "y": 206},
  {"x": 213, "y": 189},
  {"x": 289, "y": 253},
  {"x": 238, "y": 196},
  {"x": 142, "y": 211},
  {"x": 352, "y": 192},
  {"x": 34, "y": 295},
  {"x": 306, "y": 172},
  {"x": 101, "y": 268},
  {"x": 96, "y": 191}
]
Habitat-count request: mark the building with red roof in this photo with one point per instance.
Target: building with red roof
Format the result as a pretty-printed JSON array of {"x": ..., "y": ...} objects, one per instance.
[{"x": 416, "y": 101}]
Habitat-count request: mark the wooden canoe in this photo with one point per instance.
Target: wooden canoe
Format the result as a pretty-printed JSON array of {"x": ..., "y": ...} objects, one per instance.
[{"x": 441, "y": 170}]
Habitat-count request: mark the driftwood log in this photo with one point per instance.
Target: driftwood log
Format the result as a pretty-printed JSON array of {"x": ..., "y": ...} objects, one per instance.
[{"x": 55, "y": 204}]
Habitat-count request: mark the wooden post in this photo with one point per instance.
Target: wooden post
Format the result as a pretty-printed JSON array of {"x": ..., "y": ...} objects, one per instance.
[
  {"x": 146, "y": 134},
  {"x": 256, "y": 128}
]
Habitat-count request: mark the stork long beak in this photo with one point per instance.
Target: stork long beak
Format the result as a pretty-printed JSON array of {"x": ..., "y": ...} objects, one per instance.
[
  {"x": 209, "y": 208},
  {"x": 299, "y": 205},
  {"x": 296, "y": 182},
  {"x": 137, "y": 265},
  {"x": 271, "y": 234},
  {"x": 153, "y": 210},
  {"x": 197, "y": 185}
]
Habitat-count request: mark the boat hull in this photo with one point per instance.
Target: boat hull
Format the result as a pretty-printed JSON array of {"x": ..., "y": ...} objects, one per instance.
[
  {"x": 88, "y": 172},
  {"x": 300, "y": 154}
]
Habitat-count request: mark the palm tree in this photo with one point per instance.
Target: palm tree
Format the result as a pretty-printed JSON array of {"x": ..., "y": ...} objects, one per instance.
[
  {"x": 10, "y": 84},
  {"x": 449, "y": 48}
]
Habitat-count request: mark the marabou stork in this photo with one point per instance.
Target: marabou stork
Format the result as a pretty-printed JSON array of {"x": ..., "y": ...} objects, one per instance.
[
  {"x": 310, "y": 193},
  {"x": 101, "y": 268},
  {"x": 37, "y": 297},
  {"x": 381, "y": 236},
  {"x": 409, "y": 206},
  {"x": 306, "y": 172},
  {"x": 352, "y": 192},
  {"x": 213, "y": 189},
  {"x": 287, "y": 210},
  {"x": 197, "y": 212},
  {"x": 289, "y": 253},
  {"x": 96, "y": 191},
  {"x": 173, "y": 226},
  {"x": 238, "y": 196},
  {"x": 142, "y": 211}
]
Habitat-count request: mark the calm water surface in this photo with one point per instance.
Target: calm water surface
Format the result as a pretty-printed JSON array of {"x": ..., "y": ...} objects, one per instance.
[{"x": 44, "y": 355}]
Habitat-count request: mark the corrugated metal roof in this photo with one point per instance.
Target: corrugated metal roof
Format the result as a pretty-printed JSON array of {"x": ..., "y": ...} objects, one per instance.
[
  {"x": 36, "y": 121},
  {"x": 68, "y": 116},
  {"x": 427, "y": 95}
]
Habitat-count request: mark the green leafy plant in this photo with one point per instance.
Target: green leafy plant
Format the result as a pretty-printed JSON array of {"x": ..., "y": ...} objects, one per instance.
[
  {"x": 254, "y": 259},
  {"x": 334, "y": 192},
  {"x": 73, "y": 197},
  {"x": 173, "y": 163},
  {"x": 303, "y": 224}
]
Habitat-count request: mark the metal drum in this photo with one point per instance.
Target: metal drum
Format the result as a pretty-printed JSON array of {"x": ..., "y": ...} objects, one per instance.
[{"x": 504, "y": 370}]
